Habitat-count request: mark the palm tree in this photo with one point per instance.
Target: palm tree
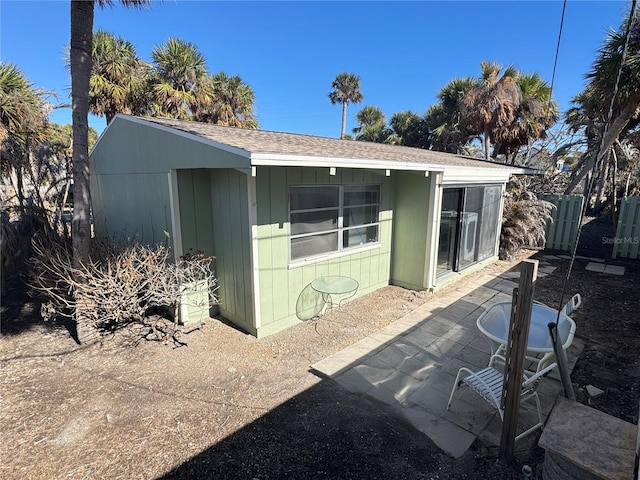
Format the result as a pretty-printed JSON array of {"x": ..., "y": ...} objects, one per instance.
[
  {"x": 409, "y": 129},
  {"x": 117, "y": 83},
  {"x": 180, "y": 72},
  {"x": 371, "y": 125},
  {"x": 492, "y": 102},
  {"x": 369, "y": 115},
  {"x": 80, "y": 60},
  {"x": 443, "y": 118},
  {"x": 23, "y": 124},
  {"x": 346, "y": 89},
  {"x": 535, "y": 114},
  {"x": 231, "y": 102},
  {"x": 597, "y": 96},
  {"x": 19, "y": 100}
]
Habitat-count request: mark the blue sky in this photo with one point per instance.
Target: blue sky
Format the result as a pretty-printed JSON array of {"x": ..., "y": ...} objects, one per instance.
[{"x": 289, "y": 52}]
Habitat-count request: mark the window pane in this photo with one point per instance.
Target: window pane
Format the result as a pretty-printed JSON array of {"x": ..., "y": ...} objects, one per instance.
[
  {"x": 303, "y": 198},
  {"x": 468, "y": 249},
  {"x": 360, "y": 215},
  {"x": 360, "y": 236},
  {"x": 315, "y": 221},
  {"x": 489, "y": 223},
  {"x": 314, "y": 245},
  {"x": 361, "y": 194},
  {"x": 448, "y": 230}
]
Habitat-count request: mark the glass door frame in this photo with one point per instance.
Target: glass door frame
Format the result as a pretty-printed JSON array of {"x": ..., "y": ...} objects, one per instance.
[{"x": 468, "y": 228}]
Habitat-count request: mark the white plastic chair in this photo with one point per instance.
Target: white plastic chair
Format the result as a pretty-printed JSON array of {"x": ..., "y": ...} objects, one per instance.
[
  {"x": 572, "y": 305},
  {"x": 487, "y": 383}
]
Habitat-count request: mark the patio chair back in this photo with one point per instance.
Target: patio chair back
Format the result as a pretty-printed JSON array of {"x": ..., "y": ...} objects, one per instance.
[
  {"x": 488, "y": 384},
  {"x": 572, "y": 305}
]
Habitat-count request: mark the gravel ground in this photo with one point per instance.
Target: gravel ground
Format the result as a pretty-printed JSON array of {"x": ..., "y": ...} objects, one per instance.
[{"x": 232, "y": 406}]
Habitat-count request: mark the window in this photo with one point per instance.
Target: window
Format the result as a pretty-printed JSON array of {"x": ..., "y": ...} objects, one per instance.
[{"x": 327, "y": 219}]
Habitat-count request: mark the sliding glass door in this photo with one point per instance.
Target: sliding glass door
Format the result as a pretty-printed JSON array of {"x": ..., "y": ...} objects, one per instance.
[
  {"x": 468, "y": 227},
  {"x": 449, "y": 219}
]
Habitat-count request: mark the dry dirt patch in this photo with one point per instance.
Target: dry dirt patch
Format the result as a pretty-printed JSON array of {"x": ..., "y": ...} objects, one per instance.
[{"x": 232, "y": 406}]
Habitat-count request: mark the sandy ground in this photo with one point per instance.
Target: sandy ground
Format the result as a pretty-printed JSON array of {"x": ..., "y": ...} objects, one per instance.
[{"x": 228, "y": 405}]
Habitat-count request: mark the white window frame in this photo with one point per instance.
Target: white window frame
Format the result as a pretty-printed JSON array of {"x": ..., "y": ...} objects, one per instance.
[{"x": 340, "y": 229}]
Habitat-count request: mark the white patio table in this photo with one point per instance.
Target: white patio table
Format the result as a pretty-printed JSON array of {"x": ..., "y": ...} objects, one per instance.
[{"x": 494, "y": 324}]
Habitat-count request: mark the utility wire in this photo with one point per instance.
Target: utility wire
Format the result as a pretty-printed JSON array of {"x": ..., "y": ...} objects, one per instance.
[
  {"x": 555, "y": 61},
  {"x": 553, "y": 329},
  {"x": 599, "y": 153}
]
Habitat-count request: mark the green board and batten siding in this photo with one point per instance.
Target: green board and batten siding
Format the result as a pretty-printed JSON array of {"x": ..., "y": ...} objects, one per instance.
[
  {"x": 140, "y": 172},
  {"x": 133, "y": 147},
  {"x": 118, "y": 220},
  {"x": 232, "y": 239},
  {"x": 409, "y": 258},
  {"x": 196, "y": 217},
  {"x": 130, "y": 167},
  {"x": 282, "y": 284},
  {"x": 213, "y": 217}
]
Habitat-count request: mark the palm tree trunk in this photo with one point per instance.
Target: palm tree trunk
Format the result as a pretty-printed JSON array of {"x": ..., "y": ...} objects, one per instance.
[
  {"x": 614, "y": 131},
  {"x": 614, "y": 193},
  {"x": 20, "y": 184},
  {"x": 487, "y": 143},
  {"x": 344, "y": 119},
  {"x": 80, "y": 59},
  {"x": 80, "y": 55},
  {"x": 601, "y": 186}
]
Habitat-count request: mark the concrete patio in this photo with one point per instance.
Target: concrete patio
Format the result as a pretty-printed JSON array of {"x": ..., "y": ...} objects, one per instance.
[{"x": 411, "y": 365}]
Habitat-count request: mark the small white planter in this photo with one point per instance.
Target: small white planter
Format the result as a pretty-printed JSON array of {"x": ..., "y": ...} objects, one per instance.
[{"x": 194, "y": 302}]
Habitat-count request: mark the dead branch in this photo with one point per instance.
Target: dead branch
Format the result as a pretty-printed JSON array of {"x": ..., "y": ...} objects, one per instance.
[{"x": 121, "y": 286}]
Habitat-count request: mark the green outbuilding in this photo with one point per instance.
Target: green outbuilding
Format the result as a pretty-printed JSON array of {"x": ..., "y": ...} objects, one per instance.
[{"x": 280, "y": 210}]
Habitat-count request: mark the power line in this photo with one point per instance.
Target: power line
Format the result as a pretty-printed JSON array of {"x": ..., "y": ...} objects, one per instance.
[
  {"x": 599, "y": 157},
  {"x": 555, "y": 61}
]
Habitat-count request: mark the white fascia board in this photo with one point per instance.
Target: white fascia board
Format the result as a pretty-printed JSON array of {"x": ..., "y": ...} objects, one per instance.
[
  {"x": 284, "y": 160},
  {"x": 526, "y": 171},
  {"x": 196, "y": 138},
  {"x": 475, "y": 175}
]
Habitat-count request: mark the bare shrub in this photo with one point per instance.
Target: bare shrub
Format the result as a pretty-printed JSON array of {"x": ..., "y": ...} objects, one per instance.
[
  {"x": 118, "y": 286},
  {"x": 524, "y": 220},
  {"x": 18, "y": 226}
]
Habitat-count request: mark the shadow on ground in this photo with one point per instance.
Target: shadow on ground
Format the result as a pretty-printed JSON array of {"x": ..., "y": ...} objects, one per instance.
[
  {"x": 18, "y": 311},
  {"x": 326, "y": 432},
  {"x": 596, "y": 239}
]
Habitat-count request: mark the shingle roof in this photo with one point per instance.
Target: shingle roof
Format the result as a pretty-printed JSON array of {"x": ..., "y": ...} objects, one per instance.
[{"x": 279, "y": 143}]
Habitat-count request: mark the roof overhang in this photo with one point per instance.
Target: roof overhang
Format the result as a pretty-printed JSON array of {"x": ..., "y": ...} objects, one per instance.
[
  {"x": 257, "y": 159},
  {"x": 281, "y": 160}
]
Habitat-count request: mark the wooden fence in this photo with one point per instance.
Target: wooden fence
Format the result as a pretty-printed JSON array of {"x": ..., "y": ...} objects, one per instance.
[
  {"x": 562, "y": 230},
  {"x": 627, "y": 240}
]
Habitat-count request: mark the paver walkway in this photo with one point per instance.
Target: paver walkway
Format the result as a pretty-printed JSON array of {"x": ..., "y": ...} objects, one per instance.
[{"x": 412, "y": 363}]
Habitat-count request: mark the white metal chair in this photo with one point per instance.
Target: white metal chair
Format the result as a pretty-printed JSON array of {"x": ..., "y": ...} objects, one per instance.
[
  {"x": 487, "y": 383},
  {"x": 571, "y": 306}
]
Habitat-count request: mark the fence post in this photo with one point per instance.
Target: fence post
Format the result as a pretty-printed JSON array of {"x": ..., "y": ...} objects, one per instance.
[{"x": 521, "y": 307}]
